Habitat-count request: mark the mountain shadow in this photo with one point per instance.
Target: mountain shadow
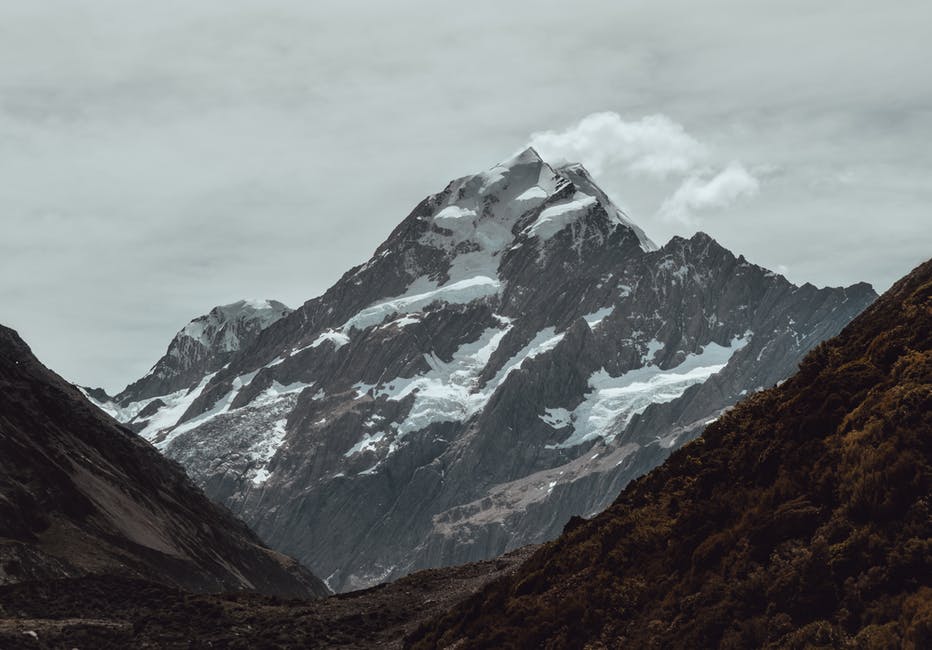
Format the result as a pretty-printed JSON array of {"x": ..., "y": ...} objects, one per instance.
[{"x": 81, "y": 495}]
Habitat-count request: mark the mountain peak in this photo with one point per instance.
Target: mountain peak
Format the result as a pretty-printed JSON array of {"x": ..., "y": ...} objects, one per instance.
[
  {"x": 527, "y": 156},
  {"x": 453, "y": 246},
  {"x": 512, "y": 338},
  {"x": 261, "y": 312},
  {"x": 202, "y": 346},
  {"x": 520, "y": 189}
]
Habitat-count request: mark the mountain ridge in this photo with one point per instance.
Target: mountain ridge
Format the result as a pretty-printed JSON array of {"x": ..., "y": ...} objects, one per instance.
[
  {"x": 462, "y": 606},
  {"x": 799, "y": 519},
  {"x": 510, "y": 356}
]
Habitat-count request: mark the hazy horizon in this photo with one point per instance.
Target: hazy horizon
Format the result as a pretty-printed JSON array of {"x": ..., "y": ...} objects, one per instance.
[{"x": 165, "y": 159}]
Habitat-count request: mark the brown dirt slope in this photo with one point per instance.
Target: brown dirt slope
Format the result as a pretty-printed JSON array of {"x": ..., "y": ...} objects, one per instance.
[
  {"x": 799, "y": 519},
  {"x": 81, "y": 495}
]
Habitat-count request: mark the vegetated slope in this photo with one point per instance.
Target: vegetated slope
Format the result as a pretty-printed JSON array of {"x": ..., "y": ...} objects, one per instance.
[
  {"x": 799, "y": 519},
  {"x": 80, "y": 494},
  {"x": 512, "y": 355}
]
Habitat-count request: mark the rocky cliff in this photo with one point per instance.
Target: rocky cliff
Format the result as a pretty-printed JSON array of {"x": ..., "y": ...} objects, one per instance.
[
  {"x": 512, "y": 355},
  {"x": 800, "y": 519}
]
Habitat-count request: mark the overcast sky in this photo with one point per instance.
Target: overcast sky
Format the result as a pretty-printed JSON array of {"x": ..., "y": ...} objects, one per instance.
[{"x": 159, "y": 158}]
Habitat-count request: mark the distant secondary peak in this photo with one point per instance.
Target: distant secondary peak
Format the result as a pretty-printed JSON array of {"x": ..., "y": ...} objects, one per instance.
[
  {"x": 251, "y": 309},
  {"x": 204, "y": 345},
  {"x": 252, "y": 313}
]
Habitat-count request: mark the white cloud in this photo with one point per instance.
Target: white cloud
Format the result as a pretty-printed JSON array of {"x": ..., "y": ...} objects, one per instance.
[
  {"x": 702, "y": 192},
  {"x": 653, "y": 146}
]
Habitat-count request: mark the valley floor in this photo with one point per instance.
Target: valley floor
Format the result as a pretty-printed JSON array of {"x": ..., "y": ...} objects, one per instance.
[{"x": 111, "y": 612}]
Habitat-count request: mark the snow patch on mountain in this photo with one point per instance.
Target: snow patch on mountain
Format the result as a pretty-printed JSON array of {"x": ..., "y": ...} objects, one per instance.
[
  {"x": 502, "y": 173},
  {"x": 544, "y": 341},
  {"x": 613, "y": 401},
  {"x": 558, "y": 216},
  {"x": 115, "y": 410},
  {"x": 175, "y": 406},
  {"x": 265, "y": 448},
  {"x": 404, "y": 321},
  {"x": 449, "y": 391},
  {"x": 475, "y": 224},
  {"x": 454, "y": 293},
  {"x": 276, "y": 391},
  {"x": 653, "y": 347},
  {"x": 452, "y": 215},
  {"x": 368, "y": 443},
  {"x": 195, "y": 330},
  {"x": 557, "y": 418},
  {"x": 338, "y": 339},
  {"x": 249, "y": 436},
  {"x": 532, "y": 195},
  {"x": 220, "y": 406},
  {"x": 598, "y": 316}
]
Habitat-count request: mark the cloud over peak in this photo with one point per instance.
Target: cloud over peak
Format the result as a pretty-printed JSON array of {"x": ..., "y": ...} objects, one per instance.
[
  {"x": 656, "y": 148},
  {"x": 704, "y": 191},
  {"x": 653, "y": 146}
]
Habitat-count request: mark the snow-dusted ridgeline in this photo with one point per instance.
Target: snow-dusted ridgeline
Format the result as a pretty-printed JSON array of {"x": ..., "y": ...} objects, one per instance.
[{"x": 513, "y": 354}]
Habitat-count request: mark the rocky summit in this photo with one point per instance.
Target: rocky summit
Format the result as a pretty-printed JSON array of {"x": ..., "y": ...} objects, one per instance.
[
  {"x": 201, "y": 348},
  {"x": 512, "y": 355}
]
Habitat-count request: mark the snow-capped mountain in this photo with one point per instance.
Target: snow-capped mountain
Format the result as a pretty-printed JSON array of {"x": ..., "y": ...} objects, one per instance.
[
  {"x": 202, "y": 347},
  {"x": 513, "y": 354}
]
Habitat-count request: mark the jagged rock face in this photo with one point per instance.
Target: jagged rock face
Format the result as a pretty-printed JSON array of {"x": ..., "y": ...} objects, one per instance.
[
  {"x": 202, "y": 347},
  {"x": 800, "y": 519},
  {"x": 81, "y": 495},
  {"x": 512, "y": 355}
]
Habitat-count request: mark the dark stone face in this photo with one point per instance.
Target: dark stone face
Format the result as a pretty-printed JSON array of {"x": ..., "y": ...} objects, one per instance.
[
  {"x": 801, "y": 519},
  {"x": 81, "y": 495},
  {"x": 513, "y": 355}
]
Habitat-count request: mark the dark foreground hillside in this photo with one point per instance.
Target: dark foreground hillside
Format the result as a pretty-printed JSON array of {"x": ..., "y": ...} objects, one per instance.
[
  {"x": 108, "y": 613},
  {"x": 81, "y": 495},
  {"x": 800, "y": 519}
]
